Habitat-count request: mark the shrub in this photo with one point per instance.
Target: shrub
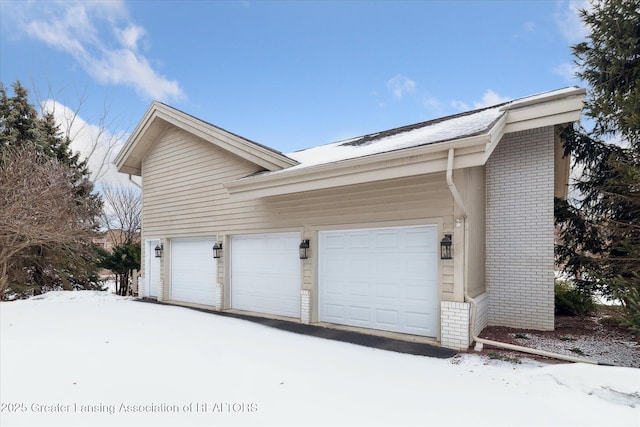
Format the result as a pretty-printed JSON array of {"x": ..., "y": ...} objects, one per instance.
[
  {"x": 631, "y": 317},
  {"x": 571, "y": 301}
]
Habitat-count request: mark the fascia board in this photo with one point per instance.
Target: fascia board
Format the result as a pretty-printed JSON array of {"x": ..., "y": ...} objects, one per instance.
[
  {"x": 227, "y": 141},
  {"x": 567, "y": 117},
  {"x": 546, "y": 110},
  {"x": 495, "y": 135},
  {"x": 123, "y": 156},
  {"x": 396, "y": 164},
  {"x": 129, "y": 158},
  {"x": 532, "y": 116}
]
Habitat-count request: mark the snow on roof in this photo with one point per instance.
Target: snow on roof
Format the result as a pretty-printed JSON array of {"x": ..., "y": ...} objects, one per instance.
[
  {"x": 550, "y": 95},
  {"x": 449, "y": 128},
  {"x": 439, "y": 130}
]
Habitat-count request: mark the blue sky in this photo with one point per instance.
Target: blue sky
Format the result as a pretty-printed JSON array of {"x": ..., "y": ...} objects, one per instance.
[{"x": 288, "y": 74}]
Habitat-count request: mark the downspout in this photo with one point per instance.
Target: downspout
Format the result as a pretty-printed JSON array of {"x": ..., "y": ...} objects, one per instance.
[
  {"x": 452, "y": 185},
  {"x": 134, "y": 183},
  {"x": 518, "y": 347},
  {"x": 458, "y": 199}
]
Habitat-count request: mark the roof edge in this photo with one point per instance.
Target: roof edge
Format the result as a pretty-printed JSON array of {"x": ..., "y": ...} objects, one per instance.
[{"x": 129, "y": 157}]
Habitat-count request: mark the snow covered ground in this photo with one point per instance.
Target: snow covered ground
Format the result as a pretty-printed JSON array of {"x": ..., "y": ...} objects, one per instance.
[{"x": 93, "y": 358}]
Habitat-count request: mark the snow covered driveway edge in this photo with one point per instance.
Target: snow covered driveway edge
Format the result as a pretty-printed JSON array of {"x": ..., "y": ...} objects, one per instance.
[{"x": 108, "y": 360}]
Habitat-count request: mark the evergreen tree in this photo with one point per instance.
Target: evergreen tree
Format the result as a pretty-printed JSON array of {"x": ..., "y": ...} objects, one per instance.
[
  {"x": 600, "y": 230},
  {"x": 19, "y": 124},
  {"x": 122, "y": 260},
  {"x": 72, "y": 263}
]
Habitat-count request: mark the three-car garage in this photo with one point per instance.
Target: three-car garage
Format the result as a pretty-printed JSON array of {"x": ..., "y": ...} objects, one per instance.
[{"x": 378, "y": 278}]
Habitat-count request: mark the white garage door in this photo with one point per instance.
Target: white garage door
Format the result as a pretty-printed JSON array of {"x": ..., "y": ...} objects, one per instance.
[
  {"x": 193, "y": 271},
  {"x": 265, "y": 273},
  {"x": 384, "y": 278}
]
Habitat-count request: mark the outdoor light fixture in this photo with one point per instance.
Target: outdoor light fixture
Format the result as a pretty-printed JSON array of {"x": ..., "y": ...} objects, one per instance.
[
  {"x": 159, "y": 249},
  {"x": 304, "y": 245},
  {"x": 217, "y": 250},
  {"x": 445, "y": 247}
]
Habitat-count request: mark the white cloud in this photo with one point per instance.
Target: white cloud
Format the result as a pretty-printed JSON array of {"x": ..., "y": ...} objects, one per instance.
[
  {"x": 93, "y": 142},
  {"x": 568, "y": 20},
  {"x": 400, "y": 85},
  {"x": 490, "y": 98},
  {"x": 432, "y": 102},
  {"x": 459, "y": 105},
  {"x": 567, "y": 70},
  {"x": 130, "y": 36},
  {"x": 111, "y": 56}
]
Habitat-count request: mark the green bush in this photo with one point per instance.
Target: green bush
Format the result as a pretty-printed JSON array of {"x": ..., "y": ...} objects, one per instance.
[
  {"x": 571, "y": 301},
  {"x": 631, "y": 317}
]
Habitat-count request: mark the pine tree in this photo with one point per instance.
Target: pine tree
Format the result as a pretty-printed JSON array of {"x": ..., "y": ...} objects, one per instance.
[
  {"x": 40, "y": 267},
  {"x": 600, "y": 230}
]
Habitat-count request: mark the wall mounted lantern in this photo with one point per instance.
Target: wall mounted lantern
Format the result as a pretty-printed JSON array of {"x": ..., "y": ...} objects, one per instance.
[
  {"x": 304, "y": 246},
  {"x": 159, "y": 249},
  {"x": 445, "y": 247},
  {"x": 217, "y": 250}
]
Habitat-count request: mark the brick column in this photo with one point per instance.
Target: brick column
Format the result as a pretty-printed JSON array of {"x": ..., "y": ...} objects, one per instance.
[{"x": 454, "y": 320}]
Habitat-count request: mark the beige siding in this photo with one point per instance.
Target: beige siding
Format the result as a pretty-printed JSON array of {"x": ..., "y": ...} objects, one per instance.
[
  {"x": 184, "y": 195},
  {"x": 182, "y": 185},
  {"x": 474, "y": 200}
]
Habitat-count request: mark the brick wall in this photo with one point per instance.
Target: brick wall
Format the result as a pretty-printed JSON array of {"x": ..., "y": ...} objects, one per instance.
[
  {"x": 519, "y": 227},
  {"x": 305, "y": 306},
  {"x": 482, "y": 312},
  {"x": 219, "y": 296},
  {"x": 454, "y": 324}
]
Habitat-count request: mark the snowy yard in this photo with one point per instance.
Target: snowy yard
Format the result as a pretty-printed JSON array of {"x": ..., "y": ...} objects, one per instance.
[{"x": 92, "y": 358}]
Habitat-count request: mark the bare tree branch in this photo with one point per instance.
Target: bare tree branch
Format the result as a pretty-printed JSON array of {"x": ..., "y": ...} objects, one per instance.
[
  {"x": 122, "y": 213},
  {"x": 38, "y": 207}
]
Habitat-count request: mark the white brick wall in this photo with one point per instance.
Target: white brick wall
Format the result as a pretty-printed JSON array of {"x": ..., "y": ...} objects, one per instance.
[
  {"x": 219, "y": 296},
  {"x": 482, "y": 312},
  {"x": 305, "y": 306},
  {"x": 454, "y": 321},
  {"x": 141, "y": 286},
  {"x": 519, "y": 239}
]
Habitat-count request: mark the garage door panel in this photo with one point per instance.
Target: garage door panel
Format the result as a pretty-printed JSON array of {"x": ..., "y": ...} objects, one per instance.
[
  {"x": 265, "y": 273},
  {"x": 359, "y": 265},
  {"x": 359, "y": 240},
  {"x": 419, "y": 239},
  {"x": 193, "y": 271},
  {"x": 358, "y": 289},
  {"x": 419, "y": 265},
  {"x": 418, "y": 293},
  {"x": 334, "y": 312},
  {"x": 359, "y": 314},
  {"x": 386, "y": 240},
  {"x": 387, "y": 291},
  {"x": 387, "y": 317},
  {"x": 335, "y": 287},
  {"x": 390, "y": 283}
]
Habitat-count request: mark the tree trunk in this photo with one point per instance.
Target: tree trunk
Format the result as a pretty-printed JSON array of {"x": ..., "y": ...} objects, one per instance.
[{"x": 4, "y": 278}]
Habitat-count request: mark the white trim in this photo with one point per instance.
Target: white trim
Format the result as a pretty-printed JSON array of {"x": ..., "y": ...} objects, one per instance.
[
  {"x": 160, "y": 116},
  {"x": 544, "y": 110}
]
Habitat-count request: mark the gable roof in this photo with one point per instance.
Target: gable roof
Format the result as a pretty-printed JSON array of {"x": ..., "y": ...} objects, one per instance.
[
  {"x": 415, "y": 149},
  {"x": 159, "y": 117},
  {"x": 458, "y": 126},
  {"x": 405, "y": 151}
]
